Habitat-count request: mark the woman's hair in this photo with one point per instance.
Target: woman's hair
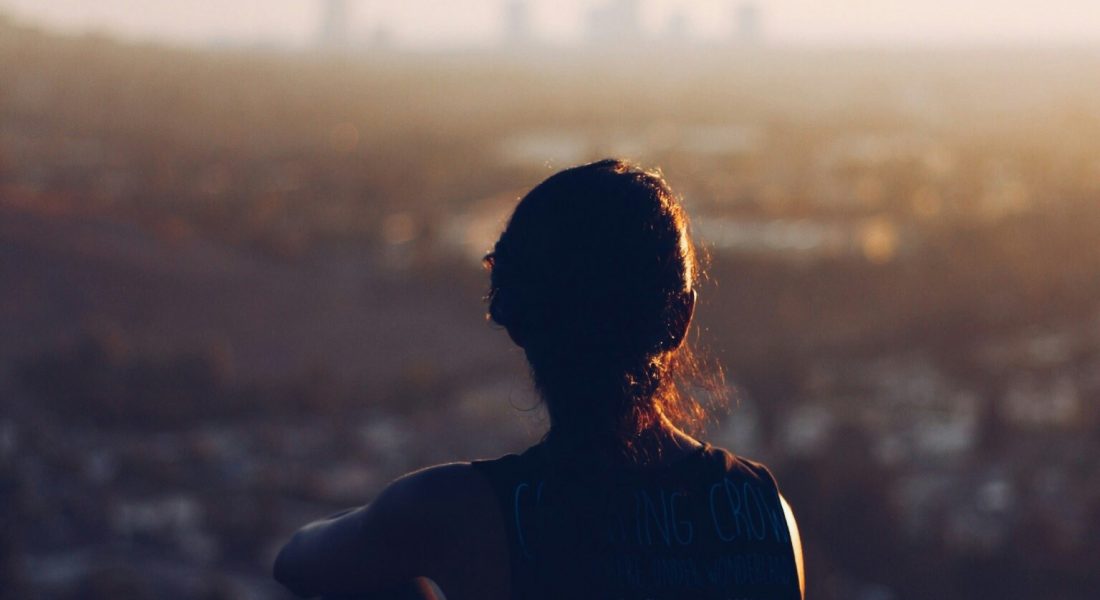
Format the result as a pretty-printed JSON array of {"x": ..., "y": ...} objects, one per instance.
[{"x": 595, "y": 277}]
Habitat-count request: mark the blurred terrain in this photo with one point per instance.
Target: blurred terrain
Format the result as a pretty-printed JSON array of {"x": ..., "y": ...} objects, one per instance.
[{"x": 242, "y": 289}]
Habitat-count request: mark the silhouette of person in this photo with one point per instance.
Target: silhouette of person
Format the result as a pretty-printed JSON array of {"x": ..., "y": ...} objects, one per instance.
[{"x": 594, "y": 277}]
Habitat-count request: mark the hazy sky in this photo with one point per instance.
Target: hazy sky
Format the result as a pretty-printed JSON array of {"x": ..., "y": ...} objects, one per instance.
[{"x": 478, "y": 21}]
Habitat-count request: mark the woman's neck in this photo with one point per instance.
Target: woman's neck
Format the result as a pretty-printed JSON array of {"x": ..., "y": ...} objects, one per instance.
[{"x": 659, "y": 445}]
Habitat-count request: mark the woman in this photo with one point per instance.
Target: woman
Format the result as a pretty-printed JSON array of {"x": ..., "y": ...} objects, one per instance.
[{"x": 594, "y": 277}]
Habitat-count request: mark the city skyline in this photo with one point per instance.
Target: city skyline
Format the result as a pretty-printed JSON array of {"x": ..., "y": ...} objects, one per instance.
[{"x": 485, "y": 22}]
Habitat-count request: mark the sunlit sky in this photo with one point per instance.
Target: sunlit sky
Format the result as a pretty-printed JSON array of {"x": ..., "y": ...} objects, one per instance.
[{"x": 456, "y": 22}]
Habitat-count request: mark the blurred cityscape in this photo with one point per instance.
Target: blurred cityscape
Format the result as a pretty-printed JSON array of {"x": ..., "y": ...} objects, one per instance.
[
  {"x": 610, "y": 23},
  {"x": 242, "y": 290}
]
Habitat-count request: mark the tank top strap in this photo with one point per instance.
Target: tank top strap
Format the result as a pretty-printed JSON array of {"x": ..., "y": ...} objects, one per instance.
[{"x": 517, "y": 481}]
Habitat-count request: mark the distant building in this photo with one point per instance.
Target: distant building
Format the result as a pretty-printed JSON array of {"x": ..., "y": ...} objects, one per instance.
[
  {"x": 333, "y": 31},
  {"x": 677, "y": 28},
  {"x": 747, "y": 22},
  {"x": 517, "y": 22},
  {"x": 616, "y": 22}
]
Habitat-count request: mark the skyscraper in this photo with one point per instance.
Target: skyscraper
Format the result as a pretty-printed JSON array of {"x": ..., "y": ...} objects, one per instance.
[
  {"x": 333, "y": 31},
  {"x": 517, "y": 22},
  {"x": 747, "y": 25},
  {"x": 616, "y": 22}
]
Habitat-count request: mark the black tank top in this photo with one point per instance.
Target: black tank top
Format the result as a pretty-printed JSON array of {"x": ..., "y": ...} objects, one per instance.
[{"x": 708, "y": 526}]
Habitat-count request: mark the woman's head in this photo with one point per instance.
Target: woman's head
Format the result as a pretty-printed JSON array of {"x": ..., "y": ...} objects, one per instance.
[{"x": 594, "y": 277}]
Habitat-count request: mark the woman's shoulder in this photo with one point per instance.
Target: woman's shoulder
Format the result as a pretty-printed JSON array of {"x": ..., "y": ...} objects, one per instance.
[
  {"x": 447, "y": 516},
  {"x": 731, "y": 467},
  {"x": 442, "y": 490},
  {"x": 416, "y": 526},
  {"x": 732, "y": 463}
]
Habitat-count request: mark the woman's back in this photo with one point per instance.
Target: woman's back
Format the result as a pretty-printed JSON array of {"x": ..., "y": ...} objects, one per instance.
[{"x": 707, "y": 525}]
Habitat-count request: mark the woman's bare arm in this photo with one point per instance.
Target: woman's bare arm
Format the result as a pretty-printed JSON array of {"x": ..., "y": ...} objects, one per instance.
[
  {"x": 427, "y": 523},
  {"x": 796, "y": 542},
  {"x": 337, "y": 555}
]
